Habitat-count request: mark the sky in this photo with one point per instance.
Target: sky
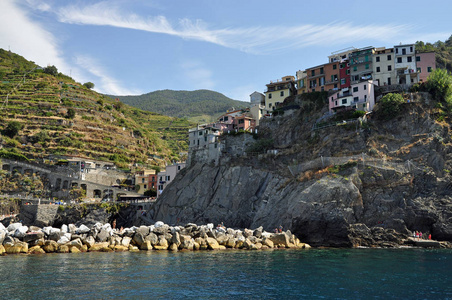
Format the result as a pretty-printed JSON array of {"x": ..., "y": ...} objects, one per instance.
[{"x": 133, "y": 47}]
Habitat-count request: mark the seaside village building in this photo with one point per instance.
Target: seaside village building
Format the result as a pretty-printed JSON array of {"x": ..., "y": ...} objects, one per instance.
[
  {"x": 146, "y": 180},
  {"x": 165, "y": 177},
  {"x": 279, "y": 90}
]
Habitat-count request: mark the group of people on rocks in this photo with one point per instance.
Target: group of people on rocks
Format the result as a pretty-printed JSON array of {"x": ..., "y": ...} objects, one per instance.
[{"x": 418, "y": 235}]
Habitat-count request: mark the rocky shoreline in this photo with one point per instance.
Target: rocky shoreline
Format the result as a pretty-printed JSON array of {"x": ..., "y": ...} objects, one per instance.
[{"x": 18, "y": 238}]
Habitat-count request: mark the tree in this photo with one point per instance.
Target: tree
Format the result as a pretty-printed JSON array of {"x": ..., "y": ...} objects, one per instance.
[
  {"x": 52, "y": 70},
  {"x": 70, "y": 113},
  {"x": 439, "y": 84},
  {"x": 390, "y": 106},
  {"x": 150, "y": 193},
  {"x": 88, "y": 85},
  {"x": 12, "y": 129}
]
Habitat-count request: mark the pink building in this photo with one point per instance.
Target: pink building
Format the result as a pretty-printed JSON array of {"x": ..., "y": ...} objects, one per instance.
[
  {"x": 359, "y": 96},
  {"x": 425, "y": 64}
]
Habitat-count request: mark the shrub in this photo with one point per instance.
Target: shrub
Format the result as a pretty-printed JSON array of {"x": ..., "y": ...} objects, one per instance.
[
  {"x": 390, "y": 106},
  {"x": 439, "y": 84},
  {"x": 70, "y": 113},
  {"x": 12, "y": 129}
]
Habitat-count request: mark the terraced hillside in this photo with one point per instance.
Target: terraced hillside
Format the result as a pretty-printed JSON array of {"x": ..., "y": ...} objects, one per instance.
[{"x": 44, "y": 113}]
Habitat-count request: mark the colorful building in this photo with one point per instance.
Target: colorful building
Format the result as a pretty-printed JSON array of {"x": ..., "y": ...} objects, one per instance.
[
  {"x": 405, "y": 64},
  {"x": 332, "y": 76},
  {"x": 279, "y": 90},
  {"x": 361, "y": 65},
  {"x": 425, "y": 64},
  {"x": 165, "y": 177},
  {"x": 301, "y": 82},
  {"x": 316, "y": 78},
  {"x": 145, "y": 180},
  {"x": 359, "y": 96},
  {"x": 383, "y": 66}
]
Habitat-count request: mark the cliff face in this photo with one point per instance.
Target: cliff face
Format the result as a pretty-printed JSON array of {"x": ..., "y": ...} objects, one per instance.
[{"x": 342, "y": 186}]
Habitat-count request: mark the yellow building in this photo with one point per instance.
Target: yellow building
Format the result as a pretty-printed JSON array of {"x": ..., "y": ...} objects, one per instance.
[{"x": 279, "y": 90}]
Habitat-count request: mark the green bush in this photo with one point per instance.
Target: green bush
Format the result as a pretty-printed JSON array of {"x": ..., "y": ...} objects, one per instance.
[
  {"x": 390, "y": 106},
  {"x": 12, "y": 129},
  {"x": 439, "y": 84}
]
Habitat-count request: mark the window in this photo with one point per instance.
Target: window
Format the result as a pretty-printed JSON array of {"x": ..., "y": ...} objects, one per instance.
[
  {"x": 355, "y": 89},
  {"x": 409, "y": 59},
  {"x": 145, "y": 186},
  {"x": 411, "y": 49},
  {"x": 205, "y": 139},
  {"x": 429, "y": 69},
  {"x": 313, "y": 73},
  {"x": 418, "y": 58},
  {"x": 378, "y": 69},
  {"x": 355, "y": 68},
  {"x": 334, "y": 67},
  {"x": 365, "y": 87},
  {"x": 168, "y": 178},
  {"x": 269, "y": 96},
  {"x": 178, "y": 168},
  {"x": 241, "y": 121},
  {"x": 335, "y": 103},
  {"x": 396, "y": 50},
  {"x": 321, "y": 70},
  {"x": 377, "y": 59},
  {"x": 335, "y": 85},
  {"x": 341, "y": 66},
  {"x": 366, "y": 58},
  {"x": 418, "y": 70},
  {"x": 348, "y": 72},
  {"x": 403, "y": 51},
  {"x": 367, "y": 66},
  {"x": 281, "y": 93},
  {"x": 343, "y": 81},
  {"x": 389, "y": 57},
  {"x": 332, "y": 99},
  {"x": 355, "y": 99},
  {"x": 389, "y": 80},
  {"x": 389, "y": 68},
  {"x": 344, "y": 101},
  {"x": 399, "y": 60}
]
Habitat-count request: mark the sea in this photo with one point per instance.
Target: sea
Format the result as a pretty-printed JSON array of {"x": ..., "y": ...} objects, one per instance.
[{"x": 231, "y": 274}]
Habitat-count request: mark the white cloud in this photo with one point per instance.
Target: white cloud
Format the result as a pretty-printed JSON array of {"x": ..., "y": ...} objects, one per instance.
[
  {"x": 105, "y": 83},
  {"x": 27, "y": 38},
  {"x": 198, "y": 75},
  {"x": 254, "y": 40}
]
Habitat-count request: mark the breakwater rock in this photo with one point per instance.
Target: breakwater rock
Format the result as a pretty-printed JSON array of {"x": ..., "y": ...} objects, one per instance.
[{"x": 17, "y": 238}]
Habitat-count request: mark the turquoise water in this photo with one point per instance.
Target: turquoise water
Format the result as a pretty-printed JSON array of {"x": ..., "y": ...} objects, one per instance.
[{"x": 279, "y": 274}]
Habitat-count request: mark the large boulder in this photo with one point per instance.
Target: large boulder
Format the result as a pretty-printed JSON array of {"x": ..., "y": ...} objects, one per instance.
[
  {"x": 82, "y": 229},
  {"x": 50, "y": 246},
  {"x": 12, "y": 227},
  {"x": 103, "y": 247},
  {"x": 2, "y": 249},
  {"x": 18, "y": 247},
  {"x": 21, "y": 232},
  {"x": 280, "y": 240},
  {"x": 212, "y": 244},
  {"x": 144, "y": 230},
  {"x": 102, "y": 235},
  {"x": 125, "y": 241},
  {"x": 33, "y": 236}
]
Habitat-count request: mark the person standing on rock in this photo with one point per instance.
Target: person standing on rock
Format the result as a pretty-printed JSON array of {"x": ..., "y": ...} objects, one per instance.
[{"x": 280, "y": 228}]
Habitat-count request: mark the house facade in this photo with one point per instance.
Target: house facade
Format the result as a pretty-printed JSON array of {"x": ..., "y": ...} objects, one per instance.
[
  {"x": 165, "y": 177},
  {"x": 405, "y": 64},
  {"x": 383, "y": 66},
  {"x": 278, "y": 91},
  {"x": 301, "y": 82},
  {"x": 202, "y": 136},
  {"x": 361, "y": 65},
  {"x": 425, "y": 64},
  {"x": 332, "y": 76},
  {"x": 359, "y": 96},
  {"x": 145, "y": 180},
  {"x": 316, "y": 78}
]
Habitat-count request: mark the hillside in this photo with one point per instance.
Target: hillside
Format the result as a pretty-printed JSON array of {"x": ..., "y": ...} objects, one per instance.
[
  {"x": 197, "y": 106},
  {"x": 44, "y": 112}
]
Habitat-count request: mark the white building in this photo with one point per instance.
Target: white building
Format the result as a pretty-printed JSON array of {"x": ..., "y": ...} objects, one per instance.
[
  {"x": 405, "y": 64},
  {"x": 165, "y": 177}
]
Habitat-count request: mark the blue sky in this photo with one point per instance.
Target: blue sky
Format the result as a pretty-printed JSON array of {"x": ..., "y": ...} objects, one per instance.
[{"x": 131, "y": 47}]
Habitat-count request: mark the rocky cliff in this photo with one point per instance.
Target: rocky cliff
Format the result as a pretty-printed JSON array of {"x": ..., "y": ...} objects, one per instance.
[{"x": 360, "y": 184}]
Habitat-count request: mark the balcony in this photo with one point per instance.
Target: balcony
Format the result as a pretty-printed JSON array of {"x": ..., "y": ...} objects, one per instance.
[{"x": 336, "y": 80}]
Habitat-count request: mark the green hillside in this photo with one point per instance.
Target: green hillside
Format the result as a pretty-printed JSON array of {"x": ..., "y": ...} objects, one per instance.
[
  {"x": 45, "y": 112},
  {"x": 197, "y": 106}
]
